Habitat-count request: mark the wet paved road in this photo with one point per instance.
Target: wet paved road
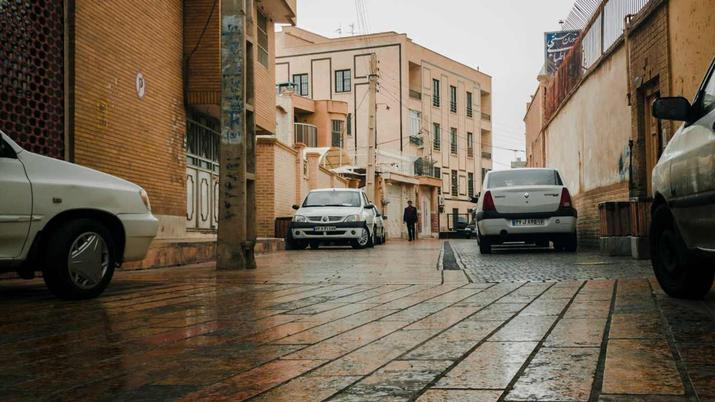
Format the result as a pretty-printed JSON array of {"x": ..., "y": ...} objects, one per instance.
[{"x": 381, "y": 325}]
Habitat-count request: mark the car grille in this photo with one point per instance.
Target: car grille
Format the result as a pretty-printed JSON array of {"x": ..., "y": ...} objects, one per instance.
[{"x": 331, "y": 219}]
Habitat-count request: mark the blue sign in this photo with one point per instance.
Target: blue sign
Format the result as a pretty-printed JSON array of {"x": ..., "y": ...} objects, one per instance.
[{"x": 556, "y": 46}]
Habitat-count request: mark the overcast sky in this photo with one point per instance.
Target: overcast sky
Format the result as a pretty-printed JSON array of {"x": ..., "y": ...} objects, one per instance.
[{"x": 504, "y": 38}]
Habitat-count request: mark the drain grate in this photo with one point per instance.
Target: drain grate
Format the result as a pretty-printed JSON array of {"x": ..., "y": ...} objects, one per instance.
[{"x": 449, "y": 259}]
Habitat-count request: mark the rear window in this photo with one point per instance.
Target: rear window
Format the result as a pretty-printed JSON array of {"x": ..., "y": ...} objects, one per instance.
[
  {"x": 514, "y": 178},
  {"x": 332, "y": 199}
]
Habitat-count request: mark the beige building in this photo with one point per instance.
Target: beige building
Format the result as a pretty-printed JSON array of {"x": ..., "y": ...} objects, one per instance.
[{"x": 433, "y": 118}]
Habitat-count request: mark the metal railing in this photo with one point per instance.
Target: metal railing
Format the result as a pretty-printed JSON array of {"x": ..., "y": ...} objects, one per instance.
[
  {"x": 604, "y": 29},
  {"x": 306, "y": 134},
  {"x": 486, "y": 116},
  {"x": 487, "y": 155},
  {"x": 415, "y": 94}
]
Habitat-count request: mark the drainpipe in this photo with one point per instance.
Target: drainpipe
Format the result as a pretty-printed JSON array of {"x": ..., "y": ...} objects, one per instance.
[{"x": 626, "y": 31}]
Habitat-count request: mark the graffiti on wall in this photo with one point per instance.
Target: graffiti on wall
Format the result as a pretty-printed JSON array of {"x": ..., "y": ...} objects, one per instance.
[{"x": 624, "y": 163}]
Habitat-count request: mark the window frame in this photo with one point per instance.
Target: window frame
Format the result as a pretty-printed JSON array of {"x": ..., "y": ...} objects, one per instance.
[
  {"x": 453, "y": 99},
  {"x": 341, "y": 126},
  {"x": 470, "y": 109},
  {"x": 436, "y": 136},
  {"x": 455, "y": 183},
  {"x": 453, "y": 141},
  {"x": 436, "y": 95},
  {"x": 262, "y": 32},
  {"x": 470, "y": 184},
  {"x": 299, "y": 85},
  {"x": 470, "y": 145},
  {"x": 344, "y": 79}
]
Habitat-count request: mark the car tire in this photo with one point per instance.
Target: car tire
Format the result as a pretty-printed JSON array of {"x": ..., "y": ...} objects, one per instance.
[
  {"x": 364, "y": 242},
  {"x": 485, "y": 246},
  {"x": 571, "y": 244},
  {"x": 292, "y": 244},
  {"x": 679, "y": 272},
  {"x": 314, "y": 245},
  {"x": 371, "y": 241},
  {"x": 67, "y": 272}
]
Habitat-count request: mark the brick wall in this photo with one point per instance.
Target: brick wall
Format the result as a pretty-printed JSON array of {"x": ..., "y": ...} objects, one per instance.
[
  {"x": 265, "y": 191},
  {"x": 141, "y": 140},
  {"x": 204, "y": 66},
  {"x": 586, "y": 204},
  {"x": 285, "y": 180}
]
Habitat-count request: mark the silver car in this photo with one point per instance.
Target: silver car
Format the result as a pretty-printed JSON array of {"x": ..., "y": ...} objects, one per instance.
[{"x": 682, "y": 234}]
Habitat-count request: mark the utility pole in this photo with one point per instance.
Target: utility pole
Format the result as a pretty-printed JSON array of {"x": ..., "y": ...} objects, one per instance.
[
  {"x": 235, "y": 244},
  {"x": 372, "y": 110}
]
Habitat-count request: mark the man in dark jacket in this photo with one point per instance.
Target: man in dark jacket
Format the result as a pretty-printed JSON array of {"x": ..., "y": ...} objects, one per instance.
[{"x": 410, "y": 218}]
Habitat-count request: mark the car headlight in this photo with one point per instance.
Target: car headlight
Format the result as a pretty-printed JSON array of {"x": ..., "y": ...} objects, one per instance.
[
  {"x": 300, "y": 218},
  {"x": 145, "y": 199},
  {"x": 353, "y": 218}
]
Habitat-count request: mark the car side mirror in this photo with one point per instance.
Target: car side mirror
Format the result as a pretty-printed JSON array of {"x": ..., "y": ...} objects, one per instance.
[
  {"x": 475, "y": 199},
  {"x": 296, "y": 207},
  {"x": 384, "y": 218},
  {"x": 672, "y": 108},
  {"x": 370, "y": 206}
]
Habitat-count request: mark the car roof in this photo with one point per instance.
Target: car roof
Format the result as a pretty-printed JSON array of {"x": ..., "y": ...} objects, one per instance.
[{"x": 336, "y": 189}]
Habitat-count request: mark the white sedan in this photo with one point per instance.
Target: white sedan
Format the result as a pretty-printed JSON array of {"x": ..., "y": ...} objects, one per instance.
[
  {"x": 73, "y": 223},
  {"x": 525, "y": 205}
]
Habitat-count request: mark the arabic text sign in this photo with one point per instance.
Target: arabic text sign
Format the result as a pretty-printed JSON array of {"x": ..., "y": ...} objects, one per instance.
[{"x": 556, "y": 45}]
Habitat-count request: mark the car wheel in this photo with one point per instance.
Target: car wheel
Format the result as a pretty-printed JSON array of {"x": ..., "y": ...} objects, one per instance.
[
  {"x": 314, "y": 245},
  {"x": 679, "y": 272},
  {"x": 485, "y": 246},
  {"x": 364, "y": 241},
  {"x": 292, "y": 244},
  {"x": 80, "y": 260},
  {"x": 570, "y": 245},
  {"x": 371, "y": 241}
]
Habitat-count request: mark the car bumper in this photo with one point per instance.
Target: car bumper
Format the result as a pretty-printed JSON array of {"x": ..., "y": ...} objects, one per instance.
[
  {"x": 139, "y": 231},
  {"x": 502, "y": 225},
  {"x": 341, "y": 230}
]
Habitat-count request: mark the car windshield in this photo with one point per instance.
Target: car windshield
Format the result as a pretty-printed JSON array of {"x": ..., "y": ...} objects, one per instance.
[
  {"x": 515, "y": 178},
  {"x": 332, "y": 199}
]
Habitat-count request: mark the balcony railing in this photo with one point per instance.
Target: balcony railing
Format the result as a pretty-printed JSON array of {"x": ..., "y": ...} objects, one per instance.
[
  {"x": 487, "y": 155},
  {"x": 415, "y": 94},
  {"x": 306, "y": 134},
  {"x": 486, "y": 116}
]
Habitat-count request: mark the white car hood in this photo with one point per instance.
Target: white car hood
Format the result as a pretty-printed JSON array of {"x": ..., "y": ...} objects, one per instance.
[{"x": 329, "y": 211}]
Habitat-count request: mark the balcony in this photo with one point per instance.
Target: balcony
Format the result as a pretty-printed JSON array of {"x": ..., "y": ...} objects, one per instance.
[
  {"x": 417, "y": 140},
  {"x": 415, "y": 94},
  {"x": 306, "y": 134},
  {"x": 487, "y": 155},
  {"x": 486, "y": 116}
]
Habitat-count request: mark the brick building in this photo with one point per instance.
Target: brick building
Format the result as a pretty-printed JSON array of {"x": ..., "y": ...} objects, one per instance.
[
  {"x": 133, "y": 89},
  {"x": 595, "y": 125},
  {"x": 433, "y": 118}
]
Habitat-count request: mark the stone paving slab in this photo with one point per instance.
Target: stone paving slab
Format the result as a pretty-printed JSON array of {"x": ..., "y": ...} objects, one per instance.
[{"x": 354, "y": 328}]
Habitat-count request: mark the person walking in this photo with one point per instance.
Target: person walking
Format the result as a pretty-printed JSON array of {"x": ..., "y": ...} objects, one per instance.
[{"x": 410, "y": 218}]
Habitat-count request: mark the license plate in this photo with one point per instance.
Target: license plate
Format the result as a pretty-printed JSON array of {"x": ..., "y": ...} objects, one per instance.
[
  {"x": 324, "y": 228},
  {"x": 527, "y": 222}
]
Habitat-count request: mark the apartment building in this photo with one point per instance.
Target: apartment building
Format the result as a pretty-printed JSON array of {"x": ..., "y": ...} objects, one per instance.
[
  {"x": 433, "y": 118},
  {"x": 134, "y": 89}
]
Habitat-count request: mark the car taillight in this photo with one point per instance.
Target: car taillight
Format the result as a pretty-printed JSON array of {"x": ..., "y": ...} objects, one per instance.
[
  {"x": 488, "y": 204},
  {"x": 565, "y": 199}
]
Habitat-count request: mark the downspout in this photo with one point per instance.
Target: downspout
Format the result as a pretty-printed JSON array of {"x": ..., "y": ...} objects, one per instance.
[{"x": 626, "y": 31}]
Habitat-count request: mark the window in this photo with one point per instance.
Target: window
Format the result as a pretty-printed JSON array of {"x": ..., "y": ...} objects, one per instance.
[
  {"x": 337, "y": 134},
  {"x": 262, "y": 39},
  {"x": 469, "y": 104},
  {"x": 342, "y": 81},
  {"x": 709, "y": 93},
  {"x": 415, "y": 122},
  {"x": 455, "y": 183},
  {"x": 301, "y": 84},
  {"x": 511, "y": 178},
  {"x": 470, "y": 145},
  {"x": 453, "y": 99},
  {"x": 349, "y": 123},
  {"x": 435, "y": 93},
  {"x": 470, "y": 184},
  {"x": 453, "y": 140},
  {"x": 436, "y": 136},
  {"x": 445, "y": 183},
  {"x": 437, "y": 172},
  {"x": 5, "y": 150},
  {"x": 333, "y": 198}
]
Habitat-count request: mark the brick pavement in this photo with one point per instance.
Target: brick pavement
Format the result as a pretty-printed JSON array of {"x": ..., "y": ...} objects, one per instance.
[{"x": 383, "y": 324}]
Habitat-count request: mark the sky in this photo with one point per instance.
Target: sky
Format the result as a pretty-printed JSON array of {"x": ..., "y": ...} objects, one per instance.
[{"x": 504, "y": 38}]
